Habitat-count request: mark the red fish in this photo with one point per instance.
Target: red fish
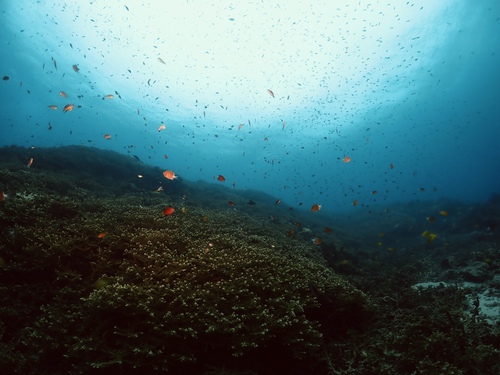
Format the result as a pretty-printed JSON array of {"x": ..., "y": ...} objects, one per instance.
[
  {"x": 170, "y": 175},
  {"x": 221, "y": 178},
  {"x": 316, "y": 207},
  {"x": 168, "y": 211}
]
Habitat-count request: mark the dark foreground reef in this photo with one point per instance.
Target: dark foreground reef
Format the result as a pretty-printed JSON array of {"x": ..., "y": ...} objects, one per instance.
[{"x": 94, "y": 279}]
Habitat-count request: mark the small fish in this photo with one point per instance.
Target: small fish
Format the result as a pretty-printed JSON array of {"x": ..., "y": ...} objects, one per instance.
[
  {"x": 374, "y": 192},
  {"x": 170, "y": 175},
  {"x": 284, "y": 125},
  {"x": 109, "y": 96},
  {"x": 240, "y": 126},
  {"x": 159, "y": 190},
  {"x": 3, "y": 196},
  {"x": 140, "y": 176},
  {"x": 270, "y": 93},
  {"x": 55, "y": 63},
  {"x": 431, "y": 219},
  {"x": 290, "y": 233},
  {"x": 162, "y": 127},
  {"x": 315, "y": 207},
  {"x": 183, "y": 210},
  {"x": 221, "y": 178},
  {"x": 251, "y": 202},
  {"x": 277, "y": 202},
  {"x": 231, "y": 203},
  {"x": 30, "y": 162},
  {"x": 168, "y": 211},
  {"x": 421, "y": 189},
  {"x": 101, "y": 235},
  {"x": 53, "y": 107},
  {"x": 328, "y": 230},
  {"x": 355, "y": 203},
  {"x": 344, "y": 262},
  {"x": 76, "y": 68},
  {"x": 346, "y": 159},
  {"x": 68, "y": 108},
  {"x": 391, "y": 166},
  {"x": 5, "y": 78},
  {"x": 443, "y": 213},
  {"x": 63, "y": 94},
  {"x": 107, "y": 136},
  {"x": 161, "y": 60},
  {"x": 317, "y": 241}
]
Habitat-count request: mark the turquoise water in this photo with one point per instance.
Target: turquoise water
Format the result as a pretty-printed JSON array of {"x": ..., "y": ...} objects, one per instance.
[{"x": 412, "y": 85}]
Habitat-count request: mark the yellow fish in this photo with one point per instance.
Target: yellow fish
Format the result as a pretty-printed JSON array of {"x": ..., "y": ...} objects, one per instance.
[{"x": 443, "y": 213}]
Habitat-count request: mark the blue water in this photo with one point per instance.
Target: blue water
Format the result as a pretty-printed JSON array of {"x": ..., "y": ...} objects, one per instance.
[{"x": 415, "y": 85}]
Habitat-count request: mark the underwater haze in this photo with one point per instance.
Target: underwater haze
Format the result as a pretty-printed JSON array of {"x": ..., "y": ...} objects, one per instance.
[{"x": 314, "y": 102}]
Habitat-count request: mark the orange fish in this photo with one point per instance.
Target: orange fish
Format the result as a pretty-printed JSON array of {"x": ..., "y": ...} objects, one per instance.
[
  {"x": 3, "y": 196},
  {"x": 109, "y": 96},
  {"x": 101, "y": 235},
  {"x": 107, "y": 136},
  {"x": 231, "y": 203},
  {"x": 346, "y": 159},
  {"x": 374, "y": 192},
  {"x": 76, "y": 68},
  {"x": 63, "y": 94},
  {"x": 170, "y": 175},
  {"x": 317, "y": 241},
  {"x": 221, "y": 178},
  {"x": 290, "y": 233},
  {"x": 68, "y": 107},
  {"x": 316, "y": 207},
  {"x": 162, "y": 127},
  {"x": 355, "y": 203},
  {"x": 328, "y": 230},
  {"x": 270, "y": 93},
  {"x": 53, "y": 107},
  {"x": 168, "y": 211},
  {"x": 30, "y": 162}
]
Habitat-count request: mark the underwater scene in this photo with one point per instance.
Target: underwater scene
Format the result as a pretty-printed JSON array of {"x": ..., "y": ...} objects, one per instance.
[{"x": 250, "y": 187}]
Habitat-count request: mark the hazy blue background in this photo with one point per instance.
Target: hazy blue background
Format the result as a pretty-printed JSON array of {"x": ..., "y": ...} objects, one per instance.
[{"x": 413, "y": 84}]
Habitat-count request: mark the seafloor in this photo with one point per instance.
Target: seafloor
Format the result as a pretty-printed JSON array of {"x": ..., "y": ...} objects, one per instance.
[{"x": 95, "y": 279}]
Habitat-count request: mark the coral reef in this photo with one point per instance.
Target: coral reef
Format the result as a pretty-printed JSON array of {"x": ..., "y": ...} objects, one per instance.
[{"x": 94, "y": 279}]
